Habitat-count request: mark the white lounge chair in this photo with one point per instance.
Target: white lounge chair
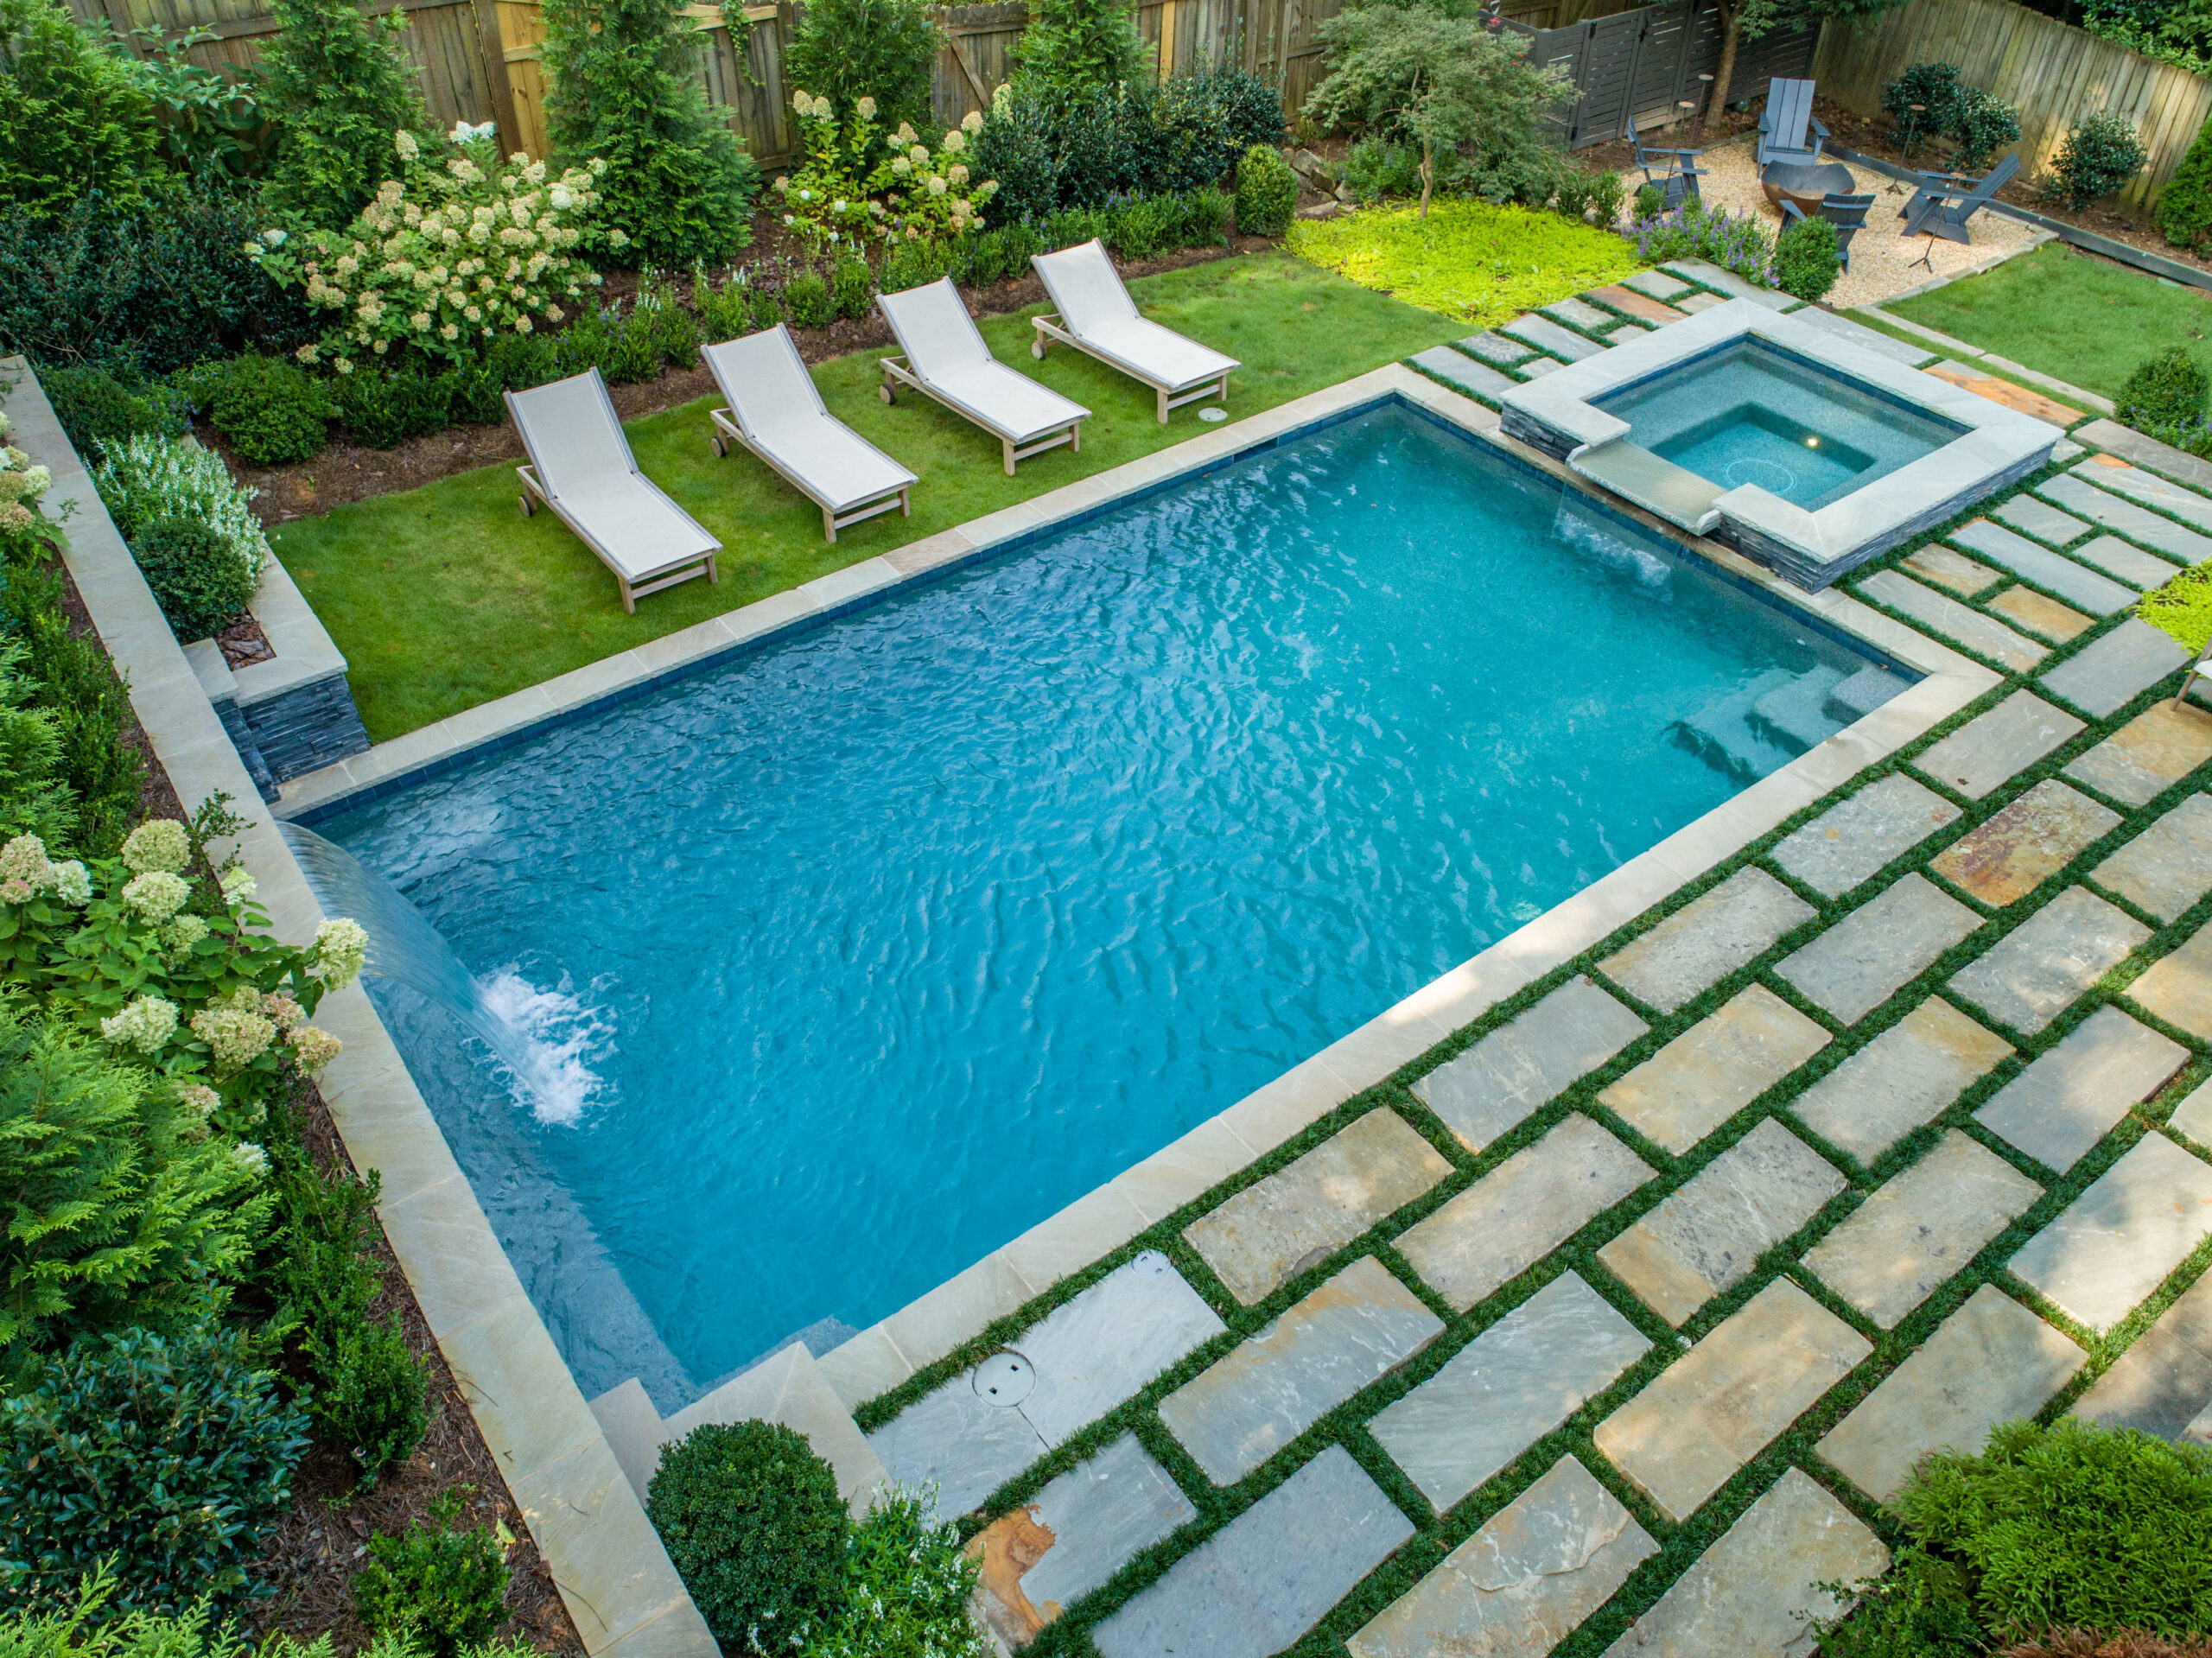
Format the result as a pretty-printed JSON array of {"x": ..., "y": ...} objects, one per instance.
[
  {"x": 1095, "y": 314},
  {"x": 944, "y": 356},
  {"x": 775, "y": 412},
  {"x": 580, "y": 466}
]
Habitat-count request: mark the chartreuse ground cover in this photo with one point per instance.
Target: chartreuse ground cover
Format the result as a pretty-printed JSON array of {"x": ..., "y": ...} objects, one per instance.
[
  {"x": 1467, "y": 260},
  {"x": 444, "y": 597}
]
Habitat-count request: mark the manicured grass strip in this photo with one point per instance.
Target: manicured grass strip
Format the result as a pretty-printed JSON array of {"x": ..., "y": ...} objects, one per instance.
[
  {"x": 2084, "y": 320},
  {"x": 1980, "y": 366},
  {"x": 443, "y": 597}
]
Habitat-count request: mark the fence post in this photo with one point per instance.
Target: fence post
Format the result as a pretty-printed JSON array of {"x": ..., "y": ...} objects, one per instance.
[{"x": 494, "y": 51}]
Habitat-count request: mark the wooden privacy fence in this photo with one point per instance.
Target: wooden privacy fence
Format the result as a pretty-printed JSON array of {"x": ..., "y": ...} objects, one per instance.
[
  {"x": 480, "y": 59},
  {"x": 2053, "y": 74}
]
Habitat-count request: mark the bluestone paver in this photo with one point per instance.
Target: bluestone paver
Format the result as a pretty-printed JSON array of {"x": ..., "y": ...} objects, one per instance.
[
  {"x": 1270, "y": 1574},
  {"x": 1536, "y": 1570},
  {"x": 2069, "y": 1098},
  {"x": 1238, "y": 1412},
  {"x": 2148, "y": 755},
  {"x": 2117, "y": 1242},
  {"x": 1749, "y": 1595},
  {"x": 1530, "y": 1059},
  {"x": 1659, "y": 285},
  {"x": 2177, "y": 987},
  {"x": 1693, "y": 303},
  {"x": 2144, "y": 528},
  {"x": 2166, "y": 868},
  {"x": 1997, "y": 745},
  {"x": 1579, "y": 313},
  {"x": 2047, "y": 963},
  {"x": 1706, "y": 1236},
  {"x": 1522, "y": 1211},
  {"x": 1513, "y": 1384},
  {"x": 1992, "y": 1360},
  {"x": 1921, "y": 1229},
  {"x": 2163, "y": 1380},
  {"x": 2040, "y": 519},
  {"x": 1863, "y": 959},
  {"x": 2193, "y": 1116},
  {"x": 1954, "y": 570},
  {"x": 1546, "y": 335},
  {"x": 1722, "y": 281},
  {"x": 2077, "y": 584},
  {"x": 1496, "y": 350},
  {"x": 1859, "y": 835},
  {"x": 1465, "y": 372},
  {"x": 1907, "y": 1075},
  {"x": 2147, "y": 489},
  {"x": 1715, "y": 1069},
  {"x": 1073, "y": 1536},
  {"x": 2109, "y": 672},
  {"x": 2046, "y": 617},
  {"x": 1723, "y": 1402},
  {"x": 1707, "y": 939},
  {"x": 1536, "y": 367},
  {"x": 2126, "y": 561},
  {"x": 1983, "y": 635},
  {"x": 2006, "y": 857},
  {"x": 1626, "y": 297},
  {"x": 1276, "y": 1226}
]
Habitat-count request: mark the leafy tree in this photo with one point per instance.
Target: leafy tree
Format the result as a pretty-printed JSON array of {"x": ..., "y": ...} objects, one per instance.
[
  {"x": 847, "y": 50},
  {"x": 1468, "y": 98},
  {"x": 72, "y": 116},
  {"x": 340, "y": 92},
  {"x": 621, "y": 89},
  {"x": 1749, "y": 20},
  {"x": 1073, "y": 46}
]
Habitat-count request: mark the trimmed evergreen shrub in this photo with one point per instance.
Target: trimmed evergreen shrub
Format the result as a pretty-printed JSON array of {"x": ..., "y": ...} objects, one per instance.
[
  {"x": 178, "y": 1455},
  {"x": 339, "y": 91},
  {"x": 753, "y": 1521},
  {"x": 2164, "y": 390},
  {"x": 846, "y": 50},
  {"x": 807, "y": 298},
  {"x": 383, "y": 408},
  {"x": 2099, "y": 156},
  {"x": 1267, "y": 192},
  {"x": 1935, "y": 88},
  {"x": 2185, "y": 205},
  {"x": 371, "y": 1395},
  {"x": 73, "y": 116},
  {"x": 909, "y": 265},
  {"x": 852, "y": 286},
  {"x": 198, "y": 578},
  {"x": 1651, "y": 201},
  {"x": 1808, "y": 259},
  {"x": 1983, "y": 123},
  {"x": 94, "y": 406},
  {"x": 268, "y": 407},
  {"x": 440, "y": 1587},
  {"x": 621, "y": 87}
]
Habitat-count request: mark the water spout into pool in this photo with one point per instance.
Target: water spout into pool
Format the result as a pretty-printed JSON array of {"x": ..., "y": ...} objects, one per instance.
[{"x": 545, "y": 1039}]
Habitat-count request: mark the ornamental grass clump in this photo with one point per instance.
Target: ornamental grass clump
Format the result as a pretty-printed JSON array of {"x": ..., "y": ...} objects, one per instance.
[{"x": 1466, "y": 259}]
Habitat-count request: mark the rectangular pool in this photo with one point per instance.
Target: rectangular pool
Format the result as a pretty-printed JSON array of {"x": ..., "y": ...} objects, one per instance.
[{"x": 852, "y": 958}]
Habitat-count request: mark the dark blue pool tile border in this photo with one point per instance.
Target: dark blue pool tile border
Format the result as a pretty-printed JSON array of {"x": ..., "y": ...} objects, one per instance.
[{"x": 1022, "y": 541}]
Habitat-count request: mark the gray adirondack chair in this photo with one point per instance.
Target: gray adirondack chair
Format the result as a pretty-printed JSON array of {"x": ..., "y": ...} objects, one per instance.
[
  {"x": 1944, "y": 201},
  {"x": 1847, "y": 213},
  {"x": 1784, "y": 122}
]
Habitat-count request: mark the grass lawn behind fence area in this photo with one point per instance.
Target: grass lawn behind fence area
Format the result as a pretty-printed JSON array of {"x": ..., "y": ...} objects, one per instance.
[
  {"x": 444, "y": 597},
  {"x": 2084, "y": 320}
]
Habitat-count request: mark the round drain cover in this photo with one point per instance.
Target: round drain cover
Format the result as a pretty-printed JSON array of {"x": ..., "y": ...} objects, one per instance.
[
  {"x": 1213, "y": 414},
  {"x": 1770, "y": 475},
  {"x": 1150, "y": 1263},
  {"x": 1004, "y": 1379}
]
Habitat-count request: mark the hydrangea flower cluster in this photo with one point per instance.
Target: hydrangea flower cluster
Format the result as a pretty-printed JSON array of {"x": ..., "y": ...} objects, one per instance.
[
  {"x": 21, "y": 485},
  {"x": 449, "y": 255},
  {"x": 235, "y": 1029},
  {"x": 146, "y": 1022},
  {"x": 838, "y": 201},
  {"x": 341, "y": 947},
  {"x": 156, "y": 895},
  {"x": 159, "y": 844}
]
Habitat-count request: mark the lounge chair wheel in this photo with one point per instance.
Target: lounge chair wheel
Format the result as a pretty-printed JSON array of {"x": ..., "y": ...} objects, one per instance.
[
  {"x": 523, "y": 501},
  {"x": 884, "y": 392},
  {"x": 1037, "y": 349},
  {"x": 719, "y": 450}
]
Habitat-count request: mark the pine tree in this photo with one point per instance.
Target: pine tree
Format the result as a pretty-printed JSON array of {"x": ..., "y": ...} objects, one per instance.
[
  {"x": 2185, "y": 205},
  {"x": 72, "y": 117},
  {"x": 622, "y": 89},
  {"x": 1073, "y": 46},
  {"x": 340, "y": 92}
]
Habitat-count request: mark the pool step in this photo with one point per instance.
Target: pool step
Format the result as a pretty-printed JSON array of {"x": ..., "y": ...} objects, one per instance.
[
  {"x": 1722, "y": 732},
  {"x": 1795, "y": 716},
  {"x": 1862, "y": 693}
]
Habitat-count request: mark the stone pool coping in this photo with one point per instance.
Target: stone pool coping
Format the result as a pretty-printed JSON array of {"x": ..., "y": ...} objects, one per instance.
[
  {"x": 605, "y": 1558},
  {"x": 940, "y": 1321}
]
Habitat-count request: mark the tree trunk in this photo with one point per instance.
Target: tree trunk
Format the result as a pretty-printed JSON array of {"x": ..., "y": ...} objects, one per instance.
[
  {"x": 1427, "y": 174},
  {"x": 1732, "y": 26}
]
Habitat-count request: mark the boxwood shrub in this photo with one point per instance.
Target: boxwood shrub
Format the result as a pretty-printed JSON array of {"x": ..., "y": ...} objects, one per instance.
[
  {"x": 1267, "y": 192},
  {"x": 197, "y": 576}
]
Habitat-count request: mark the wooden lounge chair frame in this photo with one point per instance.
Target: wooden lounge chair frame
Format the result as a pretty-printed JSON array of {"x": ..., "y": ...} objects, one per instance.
[
  {"x": 1165, "y": 397},
  {"x": 895, "y": 372}
]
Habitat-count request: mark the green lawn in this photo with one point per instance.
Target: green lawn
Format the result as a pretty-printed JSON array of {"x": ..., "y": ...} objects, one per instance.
[
  {"x": 2064, "y": 314},
  {"x": 445, "y": 597}
]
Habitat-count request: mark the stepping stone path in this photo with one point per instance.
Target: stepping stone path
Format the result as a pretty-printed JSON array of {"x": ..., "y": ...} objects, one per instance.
[
  {"x": 2099, "y": 594},
  {"x": 2040, "y": 519},
  {"x": 1749, "y": 1595},
  {"x": 1519, "y": 1066},
  {"x": 2027, "y": 608},
  {"x": 1983, "y": 635},
  {"x": 1536, "y": 367},
  {"x": 1537, "y": 1568},
  {"x": 2178, "y": 987},
  {"x": 2138, "y": 1221},
  {"x": 1625, "y": 298},
  {"x": 1861, "y": 835},
  {"x": 2146, "y": 529},
  {"x": 2160, "y": 1384},
  {"x": 1273, "y": 1230},
  {"x": 1864, "y": 959},
  {"x": 1659, "y": 285},
  {"x": 2148, "y": 755},
  {"x": 2047, "y": 963},
  {"x": 1715, "y": 1069},
  {"x": 1465, "y": 372},
  {"x": 1954, "y": 570},
  {"x": 1707, "y": 1236},
  {"x": 1693, "y": 303},
  {"x": 1908, "y": 1074},
  {"x": 1360, "y": 1325},
  {"x": 1073, "y": 1536},
  {"x": 1993, "y": 1360},
  {"x": 1581, "y": 314},
  {"x": 1496, "y": 350},
  {"x": 2068, "y": 1099},
  {"x": 1521, "y": 1210},
  {"x": 1997, "y": 745},
  {"x": 2010, "y": 855},
  {"x": 1921, "y": 1230},
  {"x": 2193, "y": 1116},
  {"x": 1707, "y": 939},
  {"x": 2127, "y": 561},
  {"x": 1546, "y": 335},
  {"x": 2147, "y": 489},
  {"x": 1513, "y": 1384},
  {"x": 2107, "y": 673},
  {"x": 2165, "y": 870},
  {"x": 1270, "y": 1574},
  {"x": 1722, "y": 1402}
]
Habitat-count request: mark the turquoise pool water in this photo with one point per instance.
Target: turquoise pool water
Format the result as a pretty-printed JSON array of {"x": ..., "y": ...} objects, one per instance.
[
  {"x": 855, "y": 956},
  {"x": 1751, "y": 414}
]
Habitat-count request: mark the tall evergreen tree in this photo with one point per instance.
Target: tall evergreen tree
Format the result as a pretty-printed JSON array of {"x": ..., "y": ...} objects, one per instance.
[
  {"x": 340, "y": 90},
  {"x": 72, "y": 116}
]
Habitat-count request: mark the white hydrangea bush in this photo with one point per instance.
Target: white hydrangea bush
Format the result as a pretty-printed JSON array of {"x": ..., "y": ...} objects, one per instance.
[
  {"x": 24, "y": 484},
  {"x": 465, "y": 247},
  {"x": 148, "y": 478}
]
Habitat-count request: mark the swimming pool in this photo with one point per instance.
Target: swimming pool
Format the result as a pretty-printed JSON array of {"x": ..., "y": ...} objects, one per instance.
[{"x": 880, "y": 944}]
